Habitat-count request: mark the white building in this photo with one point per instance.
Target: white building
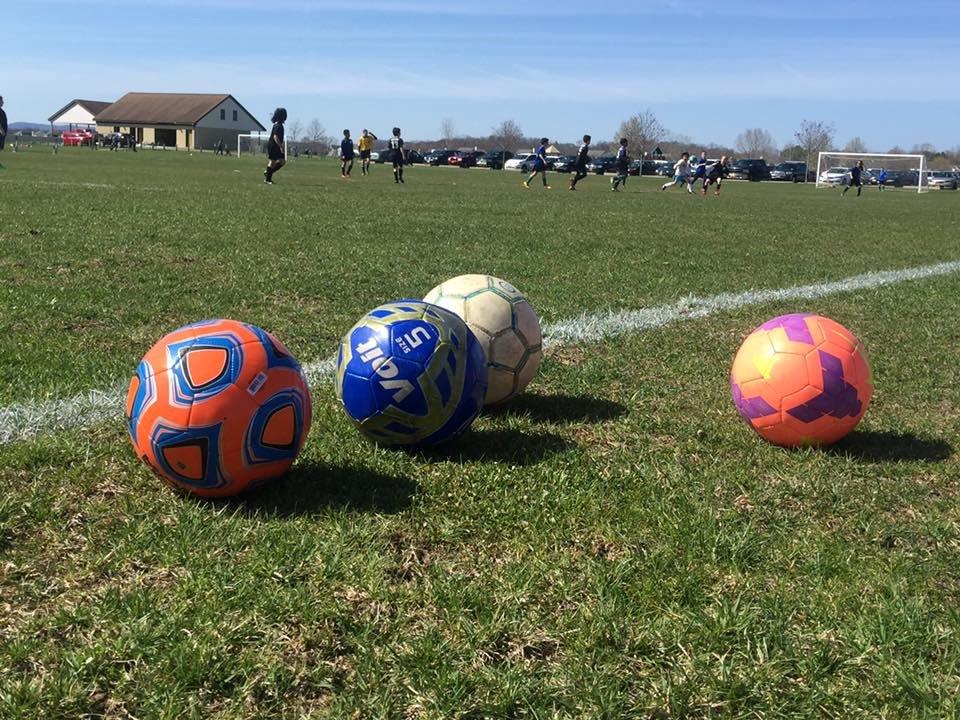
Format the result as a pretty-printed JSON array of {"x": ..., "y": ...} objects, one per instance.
[{"x": 78, "y": 114}]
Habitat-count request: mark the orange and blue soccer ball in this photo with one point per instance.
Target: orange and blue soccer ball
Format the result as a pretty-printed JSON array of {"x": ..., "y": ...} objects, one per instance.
[
  {"x": 411, "y": 373},
  {"x": 218, "y": 407},
  {"x": 801, "y": 379}
]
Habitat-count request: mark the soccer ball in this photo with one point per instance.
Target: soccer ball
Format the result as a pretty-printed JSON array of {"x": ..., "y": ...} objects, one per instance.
[
  {"x": 504, "y": 323},
  {"x": 218, "y": 407},
  {"x": 801, "y": 379},
  {"x": 411, "y": 373}
]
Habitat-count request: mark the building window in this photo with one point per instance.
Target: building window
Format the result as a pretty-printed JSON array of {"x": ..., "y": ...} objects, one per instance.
[
  {"x": 223, "y": 114},
  {"x": 234, "y": 115}
]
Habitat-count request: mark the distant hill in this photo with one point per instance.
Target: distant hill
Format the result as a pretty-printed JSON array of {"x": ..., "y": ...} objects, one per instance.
[{"x": 13, "y": 127}]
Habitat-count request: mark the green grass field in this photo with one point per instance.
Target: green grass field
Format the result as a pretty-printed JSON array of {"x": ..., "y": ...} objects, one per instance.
[{"x": 614, "y": 544}]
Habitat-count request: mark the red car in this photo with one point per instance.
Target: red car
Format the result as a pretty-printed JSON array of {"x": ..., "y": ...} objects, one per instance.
[
  {"x": 76, "y": 137},
  {"x": 455, "y": 158}
]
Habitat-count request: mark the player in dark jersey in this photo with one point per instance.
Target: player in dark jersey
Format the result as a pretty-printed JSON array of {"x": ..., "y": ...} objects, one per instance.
[
  {"x": 715, "y": 175},
  {"x": 346, "y": 155},
  {"x": 623, "y": 166},
  {"x": 276, "y": 158},
  {"x": 856, "y": 179},
  {"x": 580, "y": 166},
  {"x": 3, "y": 125},
  {"x": 397, "y": 155},
  {"x": 539, "y": 165}
]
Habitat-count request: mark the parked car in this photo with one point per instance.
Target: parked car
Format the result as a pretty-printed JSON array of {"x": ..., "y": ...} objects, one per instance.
[
  {"x": 564, "y": 163},
  {"x": 438, "y": 157},
  {"x": 602, "y": 164},
  {"x": 754, "y": 169},
  {"x": 522, "y": 162},
  {"x": 663, "y": 168},
  {"x": 790, "y": 171},
  {"x": 469, "y": 159},
  {"x": 942, "y": 179},
  {"x": 494, "y": 159},
  {"x": 76, "y": 137},
  {"x": 837, "y": 176},
  {"x": 413, "y": 157}
]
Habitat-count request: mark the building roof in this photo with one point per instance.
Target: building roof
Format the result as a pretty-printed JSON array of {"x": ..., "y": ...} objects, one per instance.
[
  {"x": 164, "y": 109},
  {"x": 91, "y": 106}
]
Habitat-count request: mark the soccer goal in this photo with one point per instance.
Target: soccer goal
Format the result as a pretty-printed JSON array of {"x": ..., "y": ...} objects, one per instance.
[
  {"x": 256, "y": 144},
  {"x": 908, "y": 172}
]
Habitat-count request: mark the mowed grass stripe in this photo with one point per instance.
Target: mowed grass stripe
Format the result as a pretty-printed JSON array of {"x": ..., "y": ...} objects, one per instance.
[{"x": 22, "y": 421}]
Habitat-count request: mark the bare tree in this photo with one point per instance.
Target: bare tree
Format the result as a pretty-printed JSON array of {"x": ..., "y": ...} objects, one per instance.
[
  {"x": 896, "y": 150},
  {"x": 793, "y": 152},
  {"x": 447, "y": 129},
  {"x": 317, "y": 133},
  {"x": 756, "y": 143},
  {"x": 296, "y": 130},
  {"x": 814, "y": 136},
  {"x": 507, "y": 135},
  {"x": 855, "y": 145},
  {"x": 642, "y": 131},
  {"x": 924, "y": 149}
]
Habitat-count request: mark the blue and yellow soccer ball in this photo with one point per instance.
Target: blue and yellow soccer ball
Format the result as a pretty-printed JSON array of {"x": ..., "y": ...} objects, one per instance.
[{"x": 411, "y": 373}]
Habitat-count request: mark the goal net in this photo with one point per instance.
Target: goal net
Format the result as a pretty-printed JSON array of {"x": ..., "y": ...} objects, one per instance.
[
  {"x": 256, "y": 144},
  {"x": 891, "y": 171}
]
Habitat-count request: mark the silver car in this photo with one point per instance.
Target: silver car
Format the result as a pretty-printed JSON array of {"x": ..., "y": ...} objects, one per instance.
[{"x": 942, "y": 179}]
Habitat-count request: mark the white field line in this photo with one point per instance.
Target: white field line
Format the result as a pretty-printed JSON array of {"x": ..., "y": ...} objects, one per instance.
[{"x": 22, "y": 421}]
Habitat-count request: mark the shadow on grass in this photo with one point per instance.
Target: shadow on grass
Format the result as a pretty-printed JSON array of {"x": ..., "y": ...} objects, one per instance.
[
  {"x": 891, "y": 446},
  {"x": 513, "y": 447},
  {"x": 310, "y": 488},
  {"x": 559, "y": 408}
]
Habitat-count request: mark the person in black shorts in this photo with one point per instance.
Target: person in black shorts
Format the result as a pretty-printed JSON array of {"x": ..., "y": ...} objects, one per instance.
[
  {"x": 856, "y": 179},
  {"x": 346, "y": 155},
  {"x": 580, "y": 167},
  {"x": 3, "y": 125},
  {"x": 365, "y": 145},
  {"x": 715, "y": 175},
  {"x": 397, "y": 155},
  {"x": 275, "y": 155},
  {"x": 623, "y": 167}
]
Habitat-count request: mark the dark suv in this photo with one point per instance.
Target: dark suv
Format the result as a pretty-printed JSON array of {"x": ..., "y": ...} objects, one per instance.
[
  {"x": 494, "y": 159},
  {"x": 438, "y": 157},
  {"x": 790, "y": 171},
  {"x": 749, "y": 169}
]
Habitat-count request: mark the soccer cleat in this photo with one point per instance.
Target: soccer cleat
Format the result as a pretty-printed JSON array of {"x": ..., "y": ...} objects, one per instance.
[
  {"x": 547, "y": 187},
  {"x": 526, "y": 185}
]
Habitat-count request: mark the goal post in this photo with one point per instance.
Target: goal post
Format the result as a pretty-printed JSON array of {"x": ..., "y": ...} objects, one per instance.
[
  {"x": 905, "y": 171},
  {"x": 256, "y": 143}
]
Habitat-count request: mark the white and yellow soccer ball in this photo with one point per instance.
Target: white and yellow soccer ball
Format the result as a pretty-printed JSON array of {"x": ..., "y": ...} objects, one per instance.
[{"x": 505, "y": 324}]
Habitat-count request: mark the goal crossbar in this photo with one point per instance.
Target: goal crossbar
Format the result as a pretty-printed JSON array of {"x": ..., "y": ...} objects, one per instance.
[{"x": 920, "y": 159}]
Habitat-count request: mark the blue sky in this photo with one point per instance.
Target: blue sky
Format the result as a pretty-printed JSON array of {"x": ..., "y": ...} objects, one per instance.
[{"x": 886, "y": 71}]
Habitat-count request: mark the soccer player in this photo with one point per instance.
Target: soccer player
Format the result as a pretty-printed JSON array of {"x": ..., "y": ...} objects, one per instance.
[
  {"x": 700, "y": 172},
  {"x": 856, "y": 175},
  {"x": 715, "y": 174},
  {"x": 539, "y": 165},
  {"x": 397, "y": 155},
  {"x": 275, "y": 157},
  {"x": 580, "y": 167},
  {"x": 623, "y": 165},
  {"x": 882, "y": 180},
  {"x": 365, "y": 145},
  {"x": 346, "y": 155},
  {"x": 681, "y": 169},
  {"x": 3, "y": 125}
]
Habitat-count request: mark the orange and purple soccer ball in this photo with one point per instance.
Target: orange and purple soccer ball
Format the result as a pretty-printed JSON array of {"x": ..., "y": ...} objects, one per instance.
[
  {"x": 801, "y": 379},
  {"x": 218, "y": 407}
]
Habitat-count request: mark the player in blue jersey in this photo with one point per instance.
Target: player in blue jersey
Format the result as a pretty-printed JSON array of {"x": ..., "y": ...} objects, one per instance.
[{"x": 539, "y": 165}]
